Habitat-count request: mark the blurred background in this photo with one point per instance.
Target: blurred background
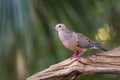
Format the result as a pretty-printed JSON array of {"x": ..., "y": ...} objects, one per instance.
[{"x": 28, "y": 44}]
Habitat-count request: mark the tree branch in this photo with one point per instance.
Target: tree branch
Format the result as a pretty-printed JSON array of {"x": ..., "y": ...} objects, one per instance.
[{"x": 106, "y": 62}]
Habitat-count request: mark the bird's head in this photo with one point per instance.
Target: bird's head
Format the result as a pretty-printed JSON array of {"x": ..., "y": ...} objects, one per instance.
[{"x": 60, "y": 27}]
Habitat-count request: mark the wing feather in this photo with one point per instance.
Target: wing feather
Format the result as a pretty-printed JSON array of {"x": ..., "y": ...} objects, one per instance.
[{"x": 84, "y": 42}]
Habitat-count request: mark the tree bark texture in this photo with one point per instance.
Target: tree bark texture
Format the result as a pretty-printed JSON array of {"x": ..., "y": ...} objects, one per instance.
[{"x": 71, "y": 69}]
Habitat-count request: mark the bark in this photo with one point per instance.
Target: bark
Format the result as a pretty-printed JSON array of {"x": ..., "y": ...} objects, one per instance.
[{"x": 99, "y": 63}]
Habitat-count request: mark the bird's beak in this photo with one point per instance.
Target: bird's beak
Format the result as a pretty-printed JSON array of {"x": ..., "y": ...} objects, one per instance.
[{"x": 54, "y": 29}]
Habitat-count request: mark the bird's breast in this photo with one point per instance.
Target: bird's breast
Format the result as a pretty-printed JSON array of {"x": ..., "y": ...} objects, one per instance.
[
  {"x": 70, "y": 44},
  {"x": 73, "y": 46},
  {"x": 69, "y": 41}
]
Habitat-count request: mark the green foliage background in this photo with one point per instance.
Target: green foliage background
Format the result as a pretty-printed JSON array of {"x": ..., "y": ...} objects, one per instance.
[{"x": 28, "y": 44}]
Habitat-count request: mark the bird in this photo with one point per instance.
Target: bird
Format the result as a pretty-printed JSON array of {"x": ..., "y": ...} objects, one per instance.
[{"x": 76, "y": 42}]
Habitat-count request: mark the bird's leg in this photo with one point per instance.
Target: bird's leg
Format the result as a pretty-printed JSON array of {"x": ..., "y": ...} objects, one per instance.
[
  {"x": 77, "y": 55},
  {"x": 80, "y": 54},
  {"x": 74, "y": 55}
]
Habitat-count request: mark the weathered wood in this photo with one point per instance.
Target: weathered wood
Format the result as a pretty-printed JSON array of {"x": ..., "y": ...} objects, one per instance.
[{"x": 106, "y": 62}]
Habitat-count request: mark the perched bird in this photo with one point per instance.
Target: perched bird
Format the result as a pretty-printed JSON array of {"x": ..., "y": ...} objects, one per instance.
[{"x": 76, "y": 42}]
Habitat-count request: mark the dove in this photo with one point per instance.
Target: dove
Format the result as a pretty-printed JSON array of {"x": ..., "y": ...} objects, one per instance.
[{"x": 76, "y": 42}]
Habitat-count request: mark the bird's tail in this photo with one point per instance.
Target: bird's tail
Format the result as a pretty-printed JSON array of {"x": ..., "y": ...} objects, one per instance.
[
  {"x": 96, "y": 45},
  {"x": 102, "y": 49}
]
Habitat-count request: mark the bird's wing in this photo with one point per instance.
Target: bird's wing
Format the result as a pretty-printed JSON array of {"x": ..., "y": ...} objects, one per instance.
[{"x": 84, "y": 42}]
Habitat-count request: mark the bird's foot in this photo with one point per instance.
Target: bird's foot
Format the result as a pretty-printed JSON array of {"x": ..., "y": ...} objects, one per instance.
[{"x": 76, "y": 55}]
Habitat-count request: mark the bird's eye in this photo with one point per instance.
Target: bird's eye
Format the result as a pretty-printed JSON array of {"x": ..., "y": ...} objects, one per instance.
[{"x": 59, "y": 26}]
